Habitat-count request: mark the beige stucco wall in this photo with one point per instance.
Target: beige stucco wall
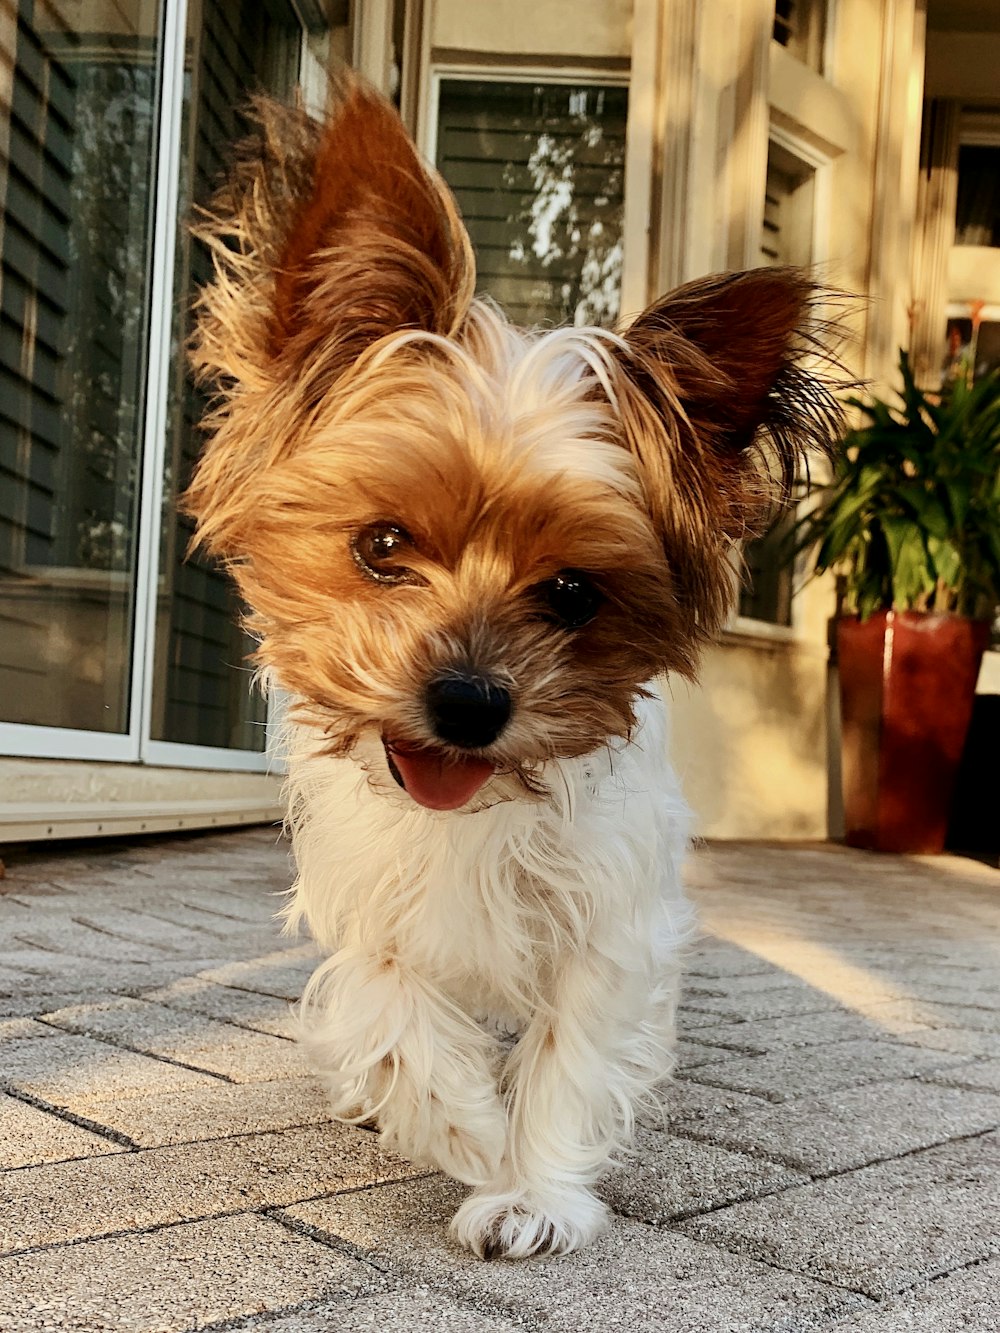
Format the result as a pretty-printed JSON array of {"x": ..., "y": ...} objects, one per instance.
[
  {"x": 752, "y": 738},
  {"x": 563, "y": 28},
  {"x": 750, "y": 741}
]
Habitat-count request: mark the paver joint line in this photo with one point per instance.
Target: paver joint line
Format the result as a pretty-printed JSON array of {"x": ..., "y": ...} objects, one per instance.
[
  {"x": 71, "y": 1118},
  {"x": 135, "y": 1050}
]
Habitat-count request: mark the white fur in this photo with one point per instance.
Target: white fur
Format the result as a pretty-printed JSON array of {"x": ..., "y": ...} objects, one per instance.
[{"x": 560, "y": 918}]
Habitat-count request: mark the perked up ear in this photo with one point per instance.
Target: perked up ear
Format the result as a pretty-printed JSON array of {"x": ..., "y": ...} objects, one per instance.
[
  {"x": 726, "y": 391},
  {"x": 738, "y": 370},
  {"x": 325, "y": 239}
]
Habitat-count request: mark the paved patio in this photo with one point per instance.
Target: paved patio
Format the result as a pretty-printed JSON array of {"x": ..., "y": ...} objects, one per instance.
[{"x": 829, "y": 1157}]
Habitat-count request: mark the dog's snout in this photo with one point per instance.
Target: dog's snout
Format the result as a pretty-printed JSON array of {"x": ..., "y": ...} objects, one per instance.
[{"x": 467, "y": 711}]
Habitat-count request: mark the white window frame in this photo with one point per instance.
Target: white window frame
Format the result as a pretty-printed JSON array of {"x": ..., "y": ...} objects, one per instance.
[
  {"x": 820, "y": 164},
  {"x": 136, "y": 744}
]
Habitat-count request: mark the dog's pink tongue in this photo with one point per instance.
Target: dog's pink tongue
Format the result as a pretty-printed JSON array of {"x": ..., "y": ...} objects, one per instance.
[{"x": 437, "y": 779}]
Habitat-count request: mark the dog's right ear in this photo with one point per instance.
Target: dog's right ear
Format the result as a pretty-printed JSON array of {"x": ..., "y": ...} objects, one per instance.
[{"x": 325, "y": 239}]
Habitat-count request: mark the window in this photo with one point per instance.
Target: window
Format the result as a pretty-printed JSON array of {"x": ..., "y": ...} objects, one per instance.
[
  {"x": 201, "y": 693},
  {"x": 800, "y": 27},
  {"x": 786, "y": 238},
  {"x": 973, "y": 347},
  {"x": 977, "y": 216},
  {"x": 538, "y": 170},
  {"x": 973, "y": 275}
]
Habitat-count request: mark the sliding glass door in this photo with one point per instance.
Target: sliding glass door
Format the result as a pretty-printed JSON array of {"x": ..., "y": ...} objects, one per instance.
[
  {"x": 115, "y": 643},
  {"x": 78, "y": 148}
]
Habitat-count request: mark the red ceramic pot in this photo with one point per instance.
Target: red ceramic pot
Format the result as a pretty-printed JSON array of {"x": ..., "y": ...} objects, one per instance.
[{"x": 907, "y": 686}]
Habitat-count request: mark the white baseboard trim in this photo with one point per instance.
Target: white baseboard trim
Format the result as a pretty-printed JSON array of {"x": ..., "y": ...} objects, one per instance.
[{"x": 23, "y": 821}]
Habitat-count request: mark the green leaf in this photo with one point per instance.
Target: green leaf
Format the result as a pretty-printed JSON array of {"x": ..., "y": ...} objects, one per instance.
[
  {"x": 946, "y": 560},
  {"x": 913, "y": 511},
  {"x": 909, "y": 562}
]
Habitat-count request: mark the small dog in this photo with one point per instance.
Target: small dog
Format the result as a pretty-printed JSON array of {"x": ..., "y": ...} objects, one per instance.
[{"x": 469, "y": 551}]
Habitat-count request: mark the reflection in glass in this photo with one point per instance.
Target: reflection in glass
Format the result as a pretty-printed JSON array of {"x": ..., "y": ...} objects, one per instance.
[
  {"x": 538, "y": 171},
  {"x": 77, "y": 125},
  {"x": 202, "y": 691}
]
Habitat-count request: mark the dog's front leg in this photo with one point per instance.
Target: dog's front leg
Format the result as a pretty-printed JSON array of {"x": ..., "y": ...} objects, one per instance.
[
  {"x": 570, "y": 1087},
  {"x": 392, "y": 1047}
]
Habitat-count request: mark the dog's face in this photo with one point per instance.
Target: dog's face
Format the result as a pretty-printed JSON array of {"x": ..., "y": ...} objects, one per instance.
[{"x": 474, "y": 543}]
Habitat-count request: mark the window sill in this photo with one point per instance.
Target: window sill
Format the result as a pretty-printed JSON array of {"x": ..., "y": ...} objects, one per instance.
[{"x": 745, "y": 633}]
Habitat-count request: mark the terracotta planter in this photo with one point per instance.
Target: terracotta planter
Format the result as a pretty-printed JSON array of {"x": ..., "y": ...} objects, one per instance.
[{"x": 907, "y": 685}]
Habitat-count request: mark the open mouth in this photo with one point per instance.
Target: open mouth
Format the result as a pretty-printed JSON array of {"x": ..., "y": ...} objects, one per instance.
[{"x": 436, "y": 778}]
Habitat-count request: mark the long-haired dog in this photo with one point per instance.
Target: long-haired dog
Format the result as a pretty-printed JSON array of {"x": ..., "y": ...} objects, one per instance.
[{"x": 469, "y": 551}]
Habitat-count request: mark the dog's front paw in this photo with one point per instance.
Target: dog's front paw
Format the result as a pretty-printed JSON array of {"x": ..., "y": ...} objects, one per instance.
[{"x": 518, "y": 1224}]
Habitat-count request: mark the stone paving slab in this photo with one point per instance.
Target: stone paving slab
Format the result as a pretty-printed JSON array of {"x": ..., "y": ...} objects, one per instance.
[
  {"x": 964, "y": 1302},
  {"x": 776, "y": 1002},
  {"x": 249, "y": 1009},
  {"x": 669, "y": 1178},
  {"x": 215, "y": 1112},
  {"x": 75, "y": 978},
  {"x": 635, "y": 1277},
  {"x": 193, "y": 1040},
  {"x": 759, "y": 1036},
  {"x": 393, "y": 1312},
  {"x": 958, "y": 1040},
  {"x": 133, "y": 1191},
  {"x": 177, "y": 1278},
  {"x": 29, "y": 1136},
  {"x": 17, "y": 1029},
  {"x": 691, "y": 1054},
  {"x": 880, "y": 1229},
  {"x": 782, "y": 1075},
  {"x": 282, "y": 974},
  {"x": 714, "y": 958},
  {"x": 972, "y": 1017},
  {"x": 983, "y": 1074},
  {"x": 69, "y": 1069},
  {"x": 838, "y": 1131}
]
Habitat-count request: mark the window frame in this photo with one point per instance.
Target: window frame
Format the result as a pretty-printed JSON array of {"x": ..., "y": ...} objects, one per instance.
[{"x": 820, "y": 164}]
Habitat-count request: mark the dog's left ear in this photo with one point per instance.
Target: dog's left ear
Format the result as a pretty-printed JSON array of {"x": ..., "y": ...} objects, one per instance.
[
  {"x": 730, "y": 350},
  {"x": 721, "y": 404}
]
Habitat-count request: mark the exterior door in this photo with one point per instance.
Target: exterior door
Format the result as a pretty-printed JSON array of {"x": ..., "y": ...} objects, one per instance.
[{"x": 115, "y": 643}]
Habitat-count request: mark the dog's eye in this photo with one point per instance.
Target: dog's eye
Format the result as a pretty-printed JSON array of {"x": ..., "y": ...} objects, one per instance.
[
  {"x": 380, "y": 550},
  {"x": 572, "y": 598}
]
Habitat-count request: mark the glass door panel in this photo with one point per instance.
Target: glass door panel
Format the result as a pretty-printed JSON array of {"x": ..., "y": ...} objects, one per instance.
[
  {"x": 201, "y": 687},
  {"x": 78, "y": 98}
]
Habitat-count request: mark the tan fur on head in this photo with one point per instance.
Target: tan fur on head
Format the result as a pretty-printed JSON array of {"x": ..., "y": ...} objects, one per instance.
[{"x": 358, "y": 383}]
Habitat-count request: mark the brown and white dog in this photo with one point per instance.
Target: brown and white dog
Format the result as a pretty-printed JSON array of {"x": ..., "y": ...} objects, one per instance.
[{"x": 469, "y": 551}]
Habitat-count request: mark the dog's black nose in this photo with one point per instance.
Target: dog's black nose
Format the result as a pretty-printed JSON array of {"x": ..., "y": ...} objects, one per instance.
[{"x": 467, "y": 711}]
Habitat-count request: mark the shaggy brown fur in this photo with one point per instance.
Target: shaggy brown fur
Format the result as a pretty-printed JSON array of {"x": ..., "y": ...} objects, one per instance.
[{"x": 358, "y": 382}]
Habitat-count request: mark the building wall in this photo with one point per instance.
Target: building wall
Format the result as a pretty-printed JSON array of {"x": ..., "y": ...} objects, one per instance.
[
  {"x": 753, "y": 740},
  {"x": 708, "y": 89}
]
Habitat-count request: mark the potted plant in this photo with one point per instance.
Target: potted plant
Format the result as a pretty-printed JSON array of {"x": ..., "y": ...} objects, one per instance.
[{"x": 910, "y": 522}]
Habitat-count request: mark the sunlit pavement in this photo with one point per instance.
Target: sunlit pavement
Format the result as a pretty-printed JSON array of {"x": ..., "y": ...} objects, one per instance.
[{"x": 828, "y": 1156}]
